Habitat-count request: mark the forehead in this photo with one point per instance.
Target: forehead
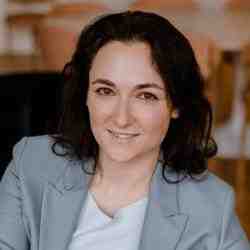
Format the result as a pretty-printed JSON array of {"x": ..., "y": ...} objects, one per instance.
[{"x": 125, "y": 64}]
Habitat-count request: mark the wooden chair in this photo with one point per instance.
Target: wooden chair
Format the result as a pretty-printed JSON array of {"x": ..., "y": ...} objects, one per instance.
[
  {"x": 58, "y": 32},
  {"x": 76, "y": 9},
  {"x": 225, "y": 81},
  {"x": 208, "y": 57},
  {"x": 24, "y": 20},
  {"x": 56, "y": 45},
  {"x": 163, "y": 4},
  {"x": 237, "y": 4},
  {"x": 246, "y": 102}
]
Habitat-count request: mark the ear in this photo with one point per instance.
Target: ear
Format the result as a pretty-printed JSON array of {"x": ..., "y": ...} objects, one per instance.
[{"x": 174, "y": 114}]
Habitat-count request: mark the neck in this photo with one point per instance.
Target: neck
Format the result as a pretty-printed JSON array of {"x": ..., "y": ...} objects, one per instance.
[{"x": 125, "y": 176}]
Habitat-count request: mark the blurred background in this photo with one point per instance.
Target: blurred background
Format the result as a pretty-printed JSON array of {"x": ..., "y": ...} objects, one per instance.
[{"x": 37, "y": 38}]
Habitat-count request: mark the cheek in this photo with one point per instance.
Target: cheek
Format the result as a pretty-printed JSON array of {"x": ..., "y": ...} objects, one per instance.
[
  {"x": 156, "y": 120},
  {"x": 98, "y": 113}
]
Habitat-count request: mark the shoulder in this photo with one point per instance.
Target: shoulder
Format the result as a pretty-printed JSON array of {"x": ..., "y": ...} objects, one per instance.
[
  {"x": 34, "y": 148},
  {"x": 33, "y": 158},
  {"x": 208, "y": 190},
  {"x": 207, "y": 200},
  {"x": 210, "y": 207},
  {"x": 31, "y": 144}
]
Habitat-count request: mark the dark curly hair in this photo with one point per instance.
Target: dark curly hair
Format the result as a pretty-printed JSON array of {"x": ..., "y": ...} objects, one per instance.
[{"x": 188, "y": 143}]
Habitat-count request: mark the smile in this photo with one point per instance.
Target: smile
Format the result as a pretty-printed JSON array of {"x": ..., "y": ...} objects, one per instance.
[{"x": 124, "y": 136}]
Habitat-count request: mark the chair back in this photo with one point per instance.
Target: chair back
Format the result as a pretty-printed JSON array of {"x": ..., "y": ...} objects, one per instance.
[
  {"x": 58, "y": 33},
  {"x": 148, "y": 5}
]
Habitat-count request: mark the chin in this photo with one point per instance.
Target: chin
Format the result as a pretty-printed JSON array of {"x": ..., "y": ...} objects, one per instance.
[
  {"x": 118, "y": 154},
  {"x": 123, "y": 156}
]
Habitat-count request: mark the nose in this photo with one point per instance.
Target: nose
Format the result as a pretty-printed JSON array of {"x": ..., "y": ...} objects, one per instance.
[{"x": 122, "y": 114}]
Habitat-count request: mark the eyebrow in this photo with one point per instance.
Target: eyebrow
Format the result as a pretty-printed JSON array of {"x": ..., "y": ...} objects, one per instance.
[{"x": 139, "y": 86}]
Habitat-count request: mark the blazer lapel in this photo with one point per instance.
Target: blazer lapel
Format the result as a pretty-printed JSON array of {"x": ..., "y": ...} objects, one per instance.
[
  {"x": 164, "y": 223},
  {"x": 64, "y": 198},
  {"x": 62, "y": 203}
]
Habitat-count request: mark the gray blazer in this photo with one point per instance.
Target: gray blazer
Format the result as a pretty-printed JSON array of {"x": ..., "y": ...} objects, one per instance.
[{"x": 41, "y": 196}]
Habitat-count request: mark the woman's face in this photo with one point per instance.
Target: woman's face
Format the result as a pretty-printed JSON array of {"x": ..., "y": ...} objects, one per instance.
[{"x": 128, "y": 109}]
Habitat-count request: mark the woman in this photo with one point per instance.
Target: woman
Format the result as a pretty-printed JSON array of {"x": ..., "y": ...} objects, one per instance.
[{"x": 128, "y": 166}]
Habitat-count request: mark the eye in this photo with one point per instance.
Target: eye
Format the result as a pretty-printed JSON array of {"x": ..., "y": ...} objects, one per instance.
[
  {"x": 149, "y": 97},
  {"x": 103, "y": 91}
]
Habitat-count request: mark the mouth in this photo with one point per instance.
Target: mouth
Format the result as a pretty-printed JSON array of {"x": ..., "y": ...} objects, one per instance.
[{"x": 124, "y": 136}]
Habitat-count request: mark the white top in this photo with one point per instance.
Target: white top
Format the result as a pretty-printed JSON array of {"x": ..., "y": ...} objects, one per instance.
[{"x": 97, "y": 231}]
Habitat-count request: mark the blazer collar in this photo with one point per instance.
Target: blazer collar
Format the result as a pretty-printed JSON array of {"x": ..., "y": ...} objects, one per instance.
[
  {"x": 73, "y": 177},
  {"x": 164, "y": 222},
  {"x": 163, "y": 193},
  {"x": 64, "y": 198}
]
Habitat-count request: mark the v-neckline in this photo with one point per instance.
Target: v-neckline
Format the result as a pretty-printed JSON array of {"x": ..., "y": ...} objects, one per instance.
[{"x": 121, "y": 211}]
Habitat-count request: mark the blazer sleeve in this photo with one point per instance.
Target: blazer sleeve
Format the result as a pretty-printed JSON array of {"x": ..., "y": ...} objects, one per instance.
[
  {"x": 232, "y": 235},
  {"x": 13, "y": 233}
]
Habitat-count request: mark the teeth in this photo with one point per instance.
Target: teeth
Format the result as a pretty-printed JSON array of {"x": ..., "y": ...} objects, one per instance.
[{"x": 122, "y": 136}]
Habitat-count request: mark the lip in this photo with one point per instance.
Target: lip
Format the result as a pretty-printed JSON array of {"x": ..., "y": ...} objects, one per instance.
[{"x": 119, "y": 133}]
